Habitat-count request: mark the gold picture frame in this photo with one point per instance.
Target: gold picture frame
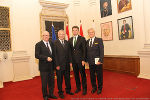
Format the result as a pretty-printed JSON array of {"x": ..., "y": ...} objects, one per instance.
[{"x": 124, "y": 5}]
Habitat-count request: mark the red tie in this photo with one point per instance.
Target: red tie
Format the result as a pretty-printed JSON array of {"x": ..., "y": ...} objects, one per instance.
[{"x": 124, "y": 28}]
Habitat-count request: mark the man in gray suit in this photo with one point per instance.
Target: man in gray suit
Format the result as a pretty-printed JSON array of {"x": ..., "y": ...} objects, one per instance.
[{"x": 62, "y": 55}]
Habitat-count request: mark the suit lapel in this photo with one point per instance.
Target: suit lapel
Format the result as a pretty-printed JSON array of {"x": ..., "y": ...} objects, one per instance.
[
  {"x": 65, "y": 43},
  {"x": 88, "y": 43},
  {"x": 94, "y": 42},
  {"x": 71, "y": 39},
  {"x": 61, "y": 43},
  {"x": 44, "y": 46}
]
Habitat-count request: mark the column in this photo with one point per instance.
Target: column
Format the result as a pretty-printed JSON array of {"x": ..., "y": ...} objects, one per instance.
[{"x": 144, "y": 54}]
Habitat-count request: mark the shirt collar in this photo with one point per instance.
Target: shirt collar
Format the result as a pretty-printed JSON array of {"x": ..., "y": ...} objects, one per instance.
[
  {"x": 76, "y": 36},
  {"x": 92, "y": 38},
  {"x": 45, "y": 42},
  {"x": 61, "y": 40}
]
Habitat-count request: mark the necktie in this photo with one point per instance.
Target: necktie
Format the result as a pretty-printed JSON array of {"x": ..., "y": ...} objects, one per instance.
[
  {"x": 90, "y": 42},
  {"x": 124, "y": 29},
  {"x": 48, "y": 48},
  {"x": 75, "y": 41},
  {"x": 63, "y": 43}
]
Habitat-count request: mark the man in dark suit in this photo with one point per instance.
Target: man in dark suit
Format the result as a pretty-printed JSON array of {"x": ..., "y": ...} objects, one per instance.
[
  {"x": 78, "y": 53},
  {"x": 125, "y": 30},
  {"x": 44, "y": 52},
  {"x": 95, "y": 54},
  {"x": 61, "y": 48}
]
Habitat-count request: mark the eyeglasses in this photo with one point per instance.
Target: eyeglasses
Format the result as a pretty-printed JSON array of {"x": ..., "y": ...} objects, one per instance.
[{"x": 45, "y": 35}]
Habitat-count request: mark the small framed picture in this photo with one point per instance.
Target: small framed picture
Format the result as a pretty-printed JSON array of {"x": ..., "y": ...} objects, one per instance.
[
  {"x": 123, "y": 5},
  {"x": 107, "y": 31},
  {"x": 125, "y": 28},
  {"x": 105, "y": 8}
]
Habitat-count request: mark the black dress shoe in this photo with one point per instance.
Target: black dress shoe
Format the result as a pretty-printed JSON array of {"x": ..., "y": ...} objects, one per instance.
[
  {"x": 84, "y": 92},
  {"x": 70, "y": 93},
  {"x": 77, "y": 90},
  {"x": 52, "y": 96},
  {"x": 93, "y": 91},
  {"x": 45, "y": 98},
  {"x": 99, "y": 91},
  {"x": 61, "y": 96}
]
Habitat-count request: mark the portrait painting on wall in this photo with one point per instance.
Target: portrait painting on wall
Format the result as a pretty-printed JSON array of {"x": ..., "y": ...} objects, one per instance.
[
  {"x": 107, "y": 31},
  {"x": 124, "y": 5},
  {"x": 125, "y": 28},
  {"x": 105, "y": 8}
]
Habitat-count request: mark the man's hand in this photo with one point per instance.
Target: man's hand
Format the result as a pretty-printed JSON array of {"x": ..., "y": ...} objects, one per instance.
[
  {"x": 70, "y": 64},
  {"x": 83, "y": 63},
  {"x": 98, "y": 63},
  {"x": 58, "y": 67},
  {"x": 49, "y": 59}
]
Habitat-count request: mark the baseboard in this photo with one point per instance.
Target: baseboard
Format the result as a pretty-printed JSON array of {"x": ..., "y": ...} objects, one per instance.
[{"x": 144, "y": 76}]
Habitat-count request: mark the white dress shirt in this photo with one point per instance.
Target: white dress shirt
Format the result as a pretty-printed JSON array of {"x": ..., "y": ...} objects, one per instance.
[
  {"x": 48, "y": 45},
  {"x": 74, "y": 39},
  {"x": 91, "y": 39},
  {"x": 62, "y": 41}
]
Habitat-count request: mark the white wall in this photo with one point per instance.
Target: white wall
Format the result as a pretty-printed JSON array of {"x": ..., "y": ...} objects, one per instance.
[
  {"x": 25, "y": 32},
  {"x": 25, "y": 28},
  {"x": 87, "y": 13}
]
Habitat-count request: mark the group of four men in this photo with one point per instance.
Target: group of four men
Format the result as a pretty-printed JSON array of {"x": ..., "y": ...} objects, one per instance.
[{"x": 62, "y": 54}]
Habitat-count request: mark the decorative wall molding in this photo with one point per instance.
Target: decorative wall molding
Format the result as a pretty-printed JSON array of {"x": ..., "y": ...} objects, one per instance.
[
  {"x": 76, "y": 2},
  {"x": 50, "y": 8},
  {"x": 50, "y": 4},
  {"x": 53, "y": 11},
  {"x": 147, "y": 46},
  {"x": 92, "y": 2},
  {"x": 1, "y": 83},
  {"x": 144, "y": 63},
  {"x": 144, "y": 53},
  {"x": 21, "y": 67}
]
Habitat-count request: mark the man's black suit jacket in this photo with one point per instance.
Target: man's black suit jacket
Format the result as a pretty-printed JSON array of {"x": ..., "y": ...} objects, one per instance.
[
  {"x": 78, "y": 52},
  {"x": 41, "y": 53},
  {"x": 61, "y": 54},
  {"x": 127, "y": 28},
  {"x": 96, "y": 51}
]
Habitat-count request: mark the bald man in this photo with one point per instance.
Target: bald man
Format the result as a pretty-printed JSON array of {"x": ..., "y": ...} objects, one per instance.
[
  {"x": 61, "y": 48},
  {"x": 44, "y": 52}
]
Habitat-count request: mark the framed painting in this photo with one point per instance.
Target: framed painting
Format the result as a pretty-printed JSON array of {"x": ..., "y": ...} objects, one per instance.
[
  {"x": 125, "y": 28},
  {"x": 105, "y": 8},
  {"x": 123, "y": 5},
  {"x": 107, "y": 31}
]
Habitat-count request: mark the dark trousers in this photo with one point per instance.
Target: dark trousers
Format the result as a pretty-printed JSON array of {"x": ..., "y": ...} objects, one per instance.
[
  {"x": 66, "y": 73},
  {"x": 47, "y": 79},
  {"x": 76, "y": 69},
  {"x": 96, "y": 70}
]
